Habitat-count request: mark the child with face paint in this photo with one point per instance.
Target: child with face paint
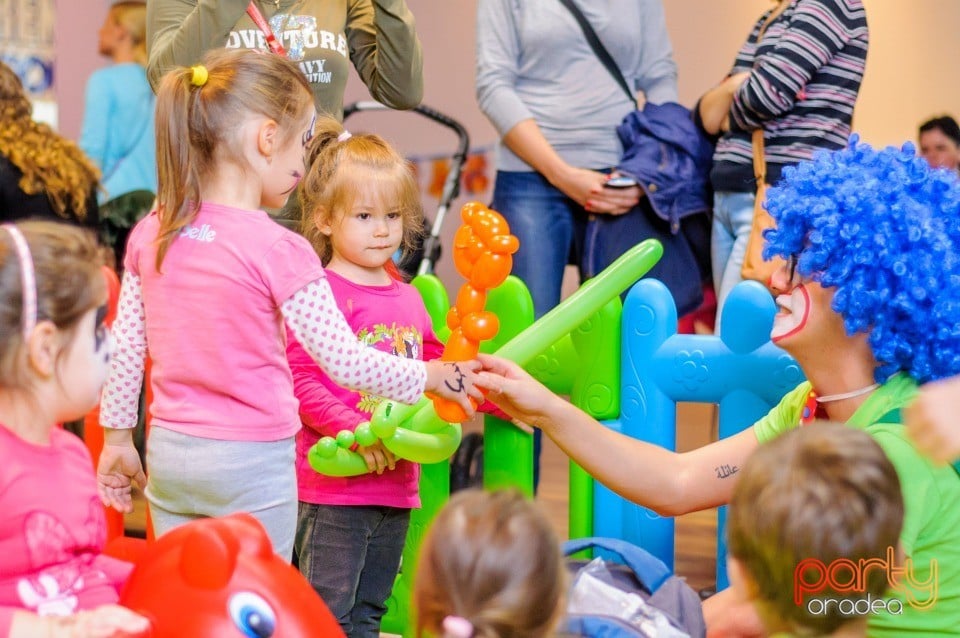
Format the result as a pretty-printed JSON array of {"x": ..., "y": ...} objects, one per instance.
[
  {"x": 54, "y": 356},
  {"x": 210, "y": 281},
  {"x": 868, "y": 305}
]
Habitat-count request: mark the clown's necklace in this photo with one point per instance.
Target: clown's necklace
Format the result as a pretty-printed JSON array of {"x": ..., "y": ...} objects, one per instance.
[{"x": 847, "y": 395}]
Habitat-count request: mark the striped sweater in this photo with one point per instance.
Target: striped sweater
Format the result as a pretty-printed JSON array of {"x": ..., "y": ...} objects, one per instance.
[{"x": 804, "y": 79}]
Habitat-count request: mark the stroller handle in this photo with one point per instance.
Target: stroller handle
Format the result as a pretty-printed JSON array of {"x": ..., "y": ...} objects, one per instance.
[
  {"x": 462, "y": 137},
  {"x": 451, "y": 186}
]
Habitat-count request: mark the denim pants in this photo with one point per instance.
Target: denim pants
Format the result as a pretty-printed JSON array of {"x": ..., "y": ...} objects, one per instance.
[
  {"x": 351, "y": 555},
  {"x": 551, "y": 228},
  {"x": 732, "y": 220}
]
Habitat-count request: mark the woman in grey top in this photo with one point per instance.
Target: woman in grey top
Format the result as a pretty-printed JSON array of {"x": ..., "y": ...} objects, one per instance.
[{"x": 556, "y": 109}]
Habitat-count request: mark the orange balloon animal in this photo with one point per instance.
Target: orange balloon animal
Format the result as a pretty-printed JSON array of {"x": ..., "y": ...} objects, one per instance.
[
  {"x": 219, "y": 577},
  {"x": 482, "y": 253}
]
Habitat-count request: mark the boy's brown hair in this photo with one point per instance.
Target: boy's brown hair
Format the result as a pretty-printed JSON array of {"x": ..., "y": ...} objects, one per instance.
[{"x": 824, "y": 491}]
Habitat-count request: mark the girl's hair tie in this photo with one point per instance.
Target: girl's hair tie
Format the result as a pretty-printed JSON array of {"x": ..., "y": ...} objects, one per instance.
[
  {"x": 343, "y": 137},
  {"x": 457, "y": 627},
  {"x": 198, "y": 75},
  {"x": 28, "y": 281}
]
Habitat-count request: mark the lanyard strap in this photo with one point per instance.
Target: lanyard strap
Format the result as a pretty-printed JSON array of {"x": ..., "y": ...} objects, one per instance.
[{"x": 254, "y": 12}]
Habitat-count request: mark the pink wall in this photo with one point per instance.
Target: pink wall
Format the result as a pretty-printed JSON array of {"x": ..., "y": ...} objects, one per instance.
[
  {"x": 909, "y": 71},
  {"x": 76, "y": 35}
]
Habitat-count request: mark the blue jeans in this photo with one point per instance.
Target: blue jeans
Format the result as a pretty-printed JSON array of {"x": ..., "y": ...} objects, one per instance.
[
  {"x": 351, "y": 555},
  {"x": 551, "y": 228},
  {"x": 732, "y": 219}
]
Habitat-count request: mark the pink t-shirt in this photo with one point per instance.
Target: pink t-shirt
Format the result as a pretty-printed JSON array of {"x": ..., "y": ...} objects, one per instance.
[
  {"x": 213, "y": 324},
  {"x": 392, "y": 319},
  {"x": 52, "y": 530}
]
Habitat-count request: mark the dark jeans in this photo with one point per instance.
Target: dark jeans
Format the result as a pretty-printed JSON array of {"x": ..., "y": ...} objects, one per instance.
[{"x": 351, "y": 555}]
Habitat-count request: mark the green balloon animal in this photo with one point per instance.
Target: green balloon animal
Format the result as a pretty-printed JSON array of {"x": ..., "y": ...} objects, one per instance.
[{"x": 416, "y": 432}]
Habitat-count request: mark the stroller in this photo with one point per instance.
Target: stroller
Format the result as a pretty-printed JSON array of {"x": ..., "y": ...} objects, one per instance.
[{"x": 422, "y": 260}]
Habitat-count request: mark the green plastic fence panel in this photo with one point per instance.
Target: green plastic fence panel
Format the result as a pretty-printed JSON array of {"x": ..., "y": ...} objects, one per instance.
[{"x": 436, "y": 301}]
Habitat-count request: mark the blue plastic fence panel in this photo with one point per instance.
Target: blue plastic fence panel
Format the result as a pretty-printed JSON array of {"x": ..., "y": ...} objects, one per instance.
[{"x": 740, "y": 370}]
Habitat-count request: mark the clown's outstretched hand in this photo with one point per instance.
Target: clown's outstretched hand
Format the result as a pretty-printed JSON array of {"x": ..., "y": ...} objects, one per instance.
[{"x": 526, "y": 400}]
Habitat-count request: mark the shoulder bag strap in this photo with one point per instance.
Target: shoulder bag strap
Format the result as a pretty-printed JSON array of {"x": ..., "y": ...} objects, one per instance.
[
  {"x": 254, "y": 12},
  {"x": 759, "y": 160},
  {"x": 601, "y": 52}
]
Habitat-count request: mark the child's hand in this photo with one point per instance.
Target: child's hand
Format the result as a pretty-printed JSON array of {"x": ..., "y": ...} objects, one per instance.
[
  {"x": 119, "y": 467},
  {"x": 456, "y": 381},
  {"x": 377, "y": 457},
  {"x": 107, "y": 621}
]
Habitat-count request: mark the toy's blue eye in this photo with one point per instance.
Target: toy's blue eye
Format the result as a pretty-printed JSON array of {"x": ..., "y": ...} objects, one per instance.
[{"x": 252, "y": 615}]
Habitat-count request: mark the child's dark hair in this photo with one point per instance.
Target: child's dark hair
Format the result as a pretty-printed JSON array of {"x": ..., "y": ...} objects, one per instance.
[
  {"x": 945, "y": 124},
  {"x": 492, "y": 562},
  {"x": 341, "y": 165},
  {"x": 66, "y": 262},
  {"x": 824, "y": 491},
  {"x": 199, "y": 110}
]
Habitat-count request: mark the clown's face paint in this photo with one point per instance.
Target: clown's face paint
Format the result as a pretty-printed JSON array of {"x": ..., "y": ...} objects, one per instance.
[{"x": 793, "y": 312}]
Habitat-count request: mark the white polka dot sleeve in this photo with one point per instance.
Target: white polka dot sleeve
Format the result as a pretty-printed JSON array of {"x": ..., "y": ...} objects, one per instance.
[
  {"x": 120, "y": 403},
  {"x": 322, "y": 330}
]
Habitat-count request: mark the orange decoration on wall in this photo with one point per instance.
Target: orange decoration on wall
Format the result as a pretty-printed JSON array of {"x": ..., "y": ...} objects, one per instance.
[
  {"x": 440, "y": 168},
  {"x": 475, "y": 178}
]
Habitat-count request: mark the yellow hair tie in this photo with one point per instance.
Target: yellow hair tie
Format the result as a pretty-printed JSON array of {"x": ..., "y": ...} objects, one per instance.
[{"x": 199, "y": 76}]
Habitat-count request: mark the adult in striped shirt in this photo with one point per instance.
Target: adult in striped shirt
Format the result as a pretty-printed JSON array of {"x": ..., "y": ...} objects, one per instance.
[{"x": 797, "y": 77}]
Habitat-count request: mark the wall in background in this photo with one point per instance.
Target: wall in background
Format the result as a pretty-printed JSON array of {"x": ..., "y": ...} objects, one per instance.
[
  {"x": 910, "y": 71},
  {"x": 911, "y": 68}
]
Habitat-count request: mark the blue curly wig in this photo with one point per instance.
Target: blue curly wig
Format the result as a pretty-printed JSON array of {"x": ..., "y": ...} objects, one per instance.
[{"x": 882, "y": 229}]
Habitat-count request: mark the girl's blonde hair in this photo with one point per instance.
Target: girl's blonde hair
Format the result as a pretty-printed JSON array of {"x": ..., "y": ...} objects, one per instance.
[
  {"x": 66, "y": 262},
  {"x": 199, "y": 110},
  {"x": 50, "y": 163},
  {"x": 341, "y": 165},
  {"x": 132, "y": 16},
  {"x": 492, "y": 559}
]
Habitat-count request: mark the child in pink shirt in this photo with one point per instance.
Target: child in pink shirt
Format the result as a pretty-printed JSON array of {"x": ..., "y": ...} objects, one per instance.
[
  {"x": 361, "y": 205},
  {"x": 210, "y": 282},
  {"x": 55, "y": 351}
]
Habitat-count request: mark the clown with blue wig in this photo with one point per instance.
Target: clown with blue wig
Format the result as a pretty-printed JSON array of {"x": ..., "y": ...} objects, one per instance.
[{"x": 869, "y": 305}]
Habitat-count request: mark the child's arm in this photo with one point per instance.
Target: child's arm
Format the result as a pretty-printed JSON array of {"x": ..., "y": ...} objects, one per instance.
[
  {"x": 433, "y": 349},
  {"x": 323, "y": 412},
  {"x": 313, "y": 316},
  {"x": 106, "y": 621},
  {"x": 119, "y": 463},
  {"x": 320, "y": 410}
]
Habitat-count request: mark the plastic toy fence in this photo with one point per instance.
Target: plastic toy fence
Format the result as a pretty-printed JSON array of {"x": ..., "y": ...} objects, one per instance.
[{"x": 625, "y": 365}]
